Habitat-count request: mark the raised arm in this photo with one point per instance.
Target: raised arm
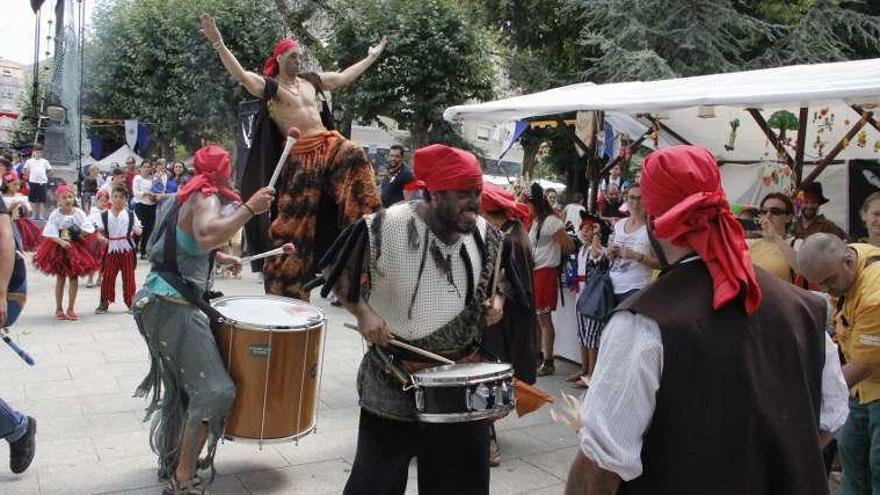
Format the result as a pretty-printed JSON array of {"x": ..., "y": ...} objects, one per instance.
[
  {"x": 211, "y": 230},
  {"x": 333, "y": 80},
  {"x": 252, "y": 81}
]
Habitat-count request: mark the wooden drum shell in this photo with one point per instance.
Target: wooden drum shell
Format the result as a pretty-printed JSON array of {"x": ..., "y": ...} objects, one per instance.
[{"x": 293, "y": 359}]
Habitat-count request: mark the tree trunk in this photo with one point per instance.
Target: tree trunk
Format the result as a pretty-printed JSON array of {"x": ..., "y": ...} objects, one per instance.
[
  {"x": 418, "y": 134},
  {"x": 295, "y": 20},
  {"x": 530, "y": 157}
]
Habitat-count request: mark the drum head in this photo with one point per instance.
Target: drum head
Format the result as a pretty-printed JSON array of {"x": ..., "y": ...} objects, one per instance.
[
  {"x": 461, "y": 373},
  {"x": 268, "y": 313}
]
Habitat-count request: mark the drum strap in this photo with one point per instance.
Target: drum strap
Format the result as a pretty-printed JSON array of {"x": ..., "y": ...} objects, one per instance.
[{"x": 170, "y": 272}]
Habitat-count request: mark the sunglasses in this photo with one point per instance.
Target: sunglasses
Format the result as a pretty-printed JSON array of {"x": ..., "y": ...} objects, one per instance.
[{"x": 774, "y": 211}]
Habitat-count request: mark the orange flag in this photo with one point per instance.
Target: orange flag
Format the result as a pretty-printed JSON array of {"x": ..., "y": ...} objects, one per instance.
[{"x": 529, "y": 398}]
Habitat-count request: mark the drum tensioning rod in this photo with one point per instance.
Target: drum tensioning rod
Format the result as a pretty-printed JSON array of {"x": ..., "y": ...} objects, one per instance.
[
  {"x": 411, "y": 348},
  {"x": 302, "y": 385},
  {"x": 266, "y": 387}
]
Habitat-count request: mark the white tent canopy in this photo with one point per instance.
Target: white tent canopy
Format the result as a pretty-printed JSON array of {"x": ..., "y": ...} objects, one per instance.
[
  {"x": 830, "y": 87},
  {"x": 119, "y": 156}
]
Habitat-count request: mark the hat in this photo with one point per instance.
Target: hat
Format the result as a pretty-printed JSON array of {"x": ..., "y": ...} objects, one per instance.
[
  {"x": 814, "y": 191},
  {"x": 444, "y": 168}
]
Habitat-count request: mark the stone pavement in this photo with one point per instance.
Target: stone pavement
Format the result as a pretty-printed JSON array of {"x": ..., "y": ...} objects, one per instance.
[{"x": 91, "y": 438}]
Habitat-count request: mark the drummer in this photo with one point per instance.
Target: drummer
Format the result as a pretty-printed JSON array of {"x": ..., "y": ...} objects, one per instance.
[
  {"x": 428, "y": 265},
  {"x": 190, "y": 387}
]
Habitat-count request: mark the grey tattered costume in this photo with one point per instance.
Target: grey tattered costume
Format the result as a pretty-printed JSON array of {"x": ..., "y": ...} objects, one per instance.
[{"x": 187, "y": 380}]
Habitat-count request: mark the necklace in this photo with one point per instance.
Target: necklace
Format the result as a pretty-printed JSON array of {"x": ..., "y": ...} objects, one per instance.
[{"x": 293, "y": 88}]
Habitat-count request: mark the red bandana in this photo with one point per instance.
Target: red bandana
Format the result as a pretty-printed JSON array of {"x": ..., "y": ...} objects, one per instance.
[
  {"x": 444, "y": 168},
  {"x": 270, "y": 67},
  {"x": 414, "y": 185},
  {"x": 495, "y": 198},
  {"x": 212, "y": 174},
  {"x": 62, "y": 189},
  {"x": 681, "y": 189}
]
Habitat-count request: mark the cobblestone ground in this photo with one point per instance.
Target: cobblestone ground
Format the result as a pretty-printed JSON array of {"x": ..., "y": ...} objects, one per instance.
[{"x": 91, "y": 438}]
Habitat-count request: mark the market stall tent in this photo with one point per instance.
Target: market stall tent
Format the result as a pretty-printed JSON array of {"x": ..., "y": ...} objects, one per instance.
[
  {"x": 805, "y": 116},
  {"x": 119, "y": 156}
]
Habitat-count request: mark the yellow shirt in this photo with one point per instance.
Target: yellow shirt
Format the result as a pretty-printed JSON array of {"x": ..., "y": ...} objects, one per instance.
[
  {"x": 858, "y": 321},
  {"x": 766, "y": 255}
]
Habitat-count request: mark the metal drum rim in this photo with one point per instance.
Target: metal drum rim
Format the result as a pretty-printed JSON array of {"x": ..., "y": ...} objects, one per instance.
[
  {"x": 423, "y": 378},
  {"x": 293, "y": 438},
  {"x": 243, "y": 325},
  {"x": 467, "y": 417}
]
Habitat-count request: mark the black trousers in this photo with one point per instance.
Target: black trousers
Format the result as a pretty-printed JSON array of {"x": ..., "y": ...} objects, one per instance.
[
  {"x": 452, "y": 458},
  {"x": 147, "y": 215}
]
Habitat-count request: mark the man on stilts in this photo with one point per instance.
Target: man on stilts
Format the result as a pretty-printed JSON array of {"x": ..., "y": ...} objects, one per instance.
[{"x": 328, "y": 181}]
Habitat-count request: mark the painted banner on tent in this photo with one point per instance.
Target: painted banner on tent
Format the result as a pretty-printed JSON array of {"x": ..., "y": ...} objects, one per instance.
[{"x": 864, "y": 179}]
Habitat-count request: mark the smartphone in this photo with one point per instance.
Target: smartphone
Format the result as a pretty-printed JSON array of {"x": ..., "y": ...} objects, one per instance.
[{"x": 749, "y": 225}]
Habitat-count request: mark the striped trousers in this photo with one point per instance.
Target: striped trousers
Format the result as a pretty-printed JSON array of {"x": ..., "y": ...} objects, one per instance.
[{"x": 119, "y": 261}]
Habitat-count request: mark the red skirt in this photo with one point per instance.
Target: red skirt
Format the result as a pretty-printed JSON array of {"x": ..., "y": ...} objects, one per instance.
[
  {"x": 94, "y": 247},
  {"x": 31, "y": 233},
  {"x": 75, "y": 261},
  {"x": 546, "y": 289}
]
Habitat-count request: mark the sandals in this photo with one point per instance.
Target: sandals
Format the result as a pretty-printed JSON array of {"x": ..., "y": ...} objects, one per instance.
[
  {"x": 71, "y": 315},
  {"x": 59, "y": 314},
  {"x": 192, "y": 486},
  {"x": 575, "y": 377},
  {"x": 583, "y": 383}
]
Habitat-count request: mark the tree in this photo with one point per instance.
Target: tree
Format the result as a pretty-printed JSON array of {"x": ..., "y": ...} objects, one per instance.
[
  {"x": 436, "y": 57},
  {"x": 25, "y": 129},
  {"x": 146, "y": 59}
]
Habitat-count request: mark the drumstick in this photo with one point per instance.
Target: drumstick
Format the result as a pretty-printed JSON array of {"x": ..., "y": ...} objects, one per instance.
[
  {"x": 18, "y": 350},
  {"x": 285, "y": 249},
  {"x": 411, "y": 348},
  {"x": 292, "y": 136}
]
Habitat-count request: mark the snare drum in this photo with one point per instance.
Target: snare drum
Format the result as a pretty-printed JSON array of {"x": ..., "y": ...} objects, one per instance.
[
  {"x": 273, "y": 349},
  {"x": 461, "y": 392}
]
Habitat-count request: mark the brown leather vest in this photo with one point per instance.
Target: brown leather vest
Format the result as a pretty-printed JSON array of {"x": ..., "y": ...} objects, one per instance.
[{"x": 738, "y": 405}]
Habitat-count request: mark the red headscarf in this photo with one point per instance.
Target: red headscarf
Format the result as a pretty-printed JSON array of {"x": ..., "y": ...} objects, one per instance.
[
  {"x": 681, "y": 189},
  {"x": 212, "y": 175},
  {"x": 414, "y": 185},
  {"x": 62, "y": 189},
  {"x": 270, "y": 67},
  {"x": 495, "y": 198},
  {"x": 444, "y": 168},
  {"x": 10, "y": 176}
]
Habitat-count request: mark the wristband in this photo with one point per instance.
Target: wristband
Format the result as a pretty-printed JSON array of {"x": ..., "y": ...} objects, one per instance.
[
  {"x": 253, "y": 213},
  {"x": 218, "y": 44}
]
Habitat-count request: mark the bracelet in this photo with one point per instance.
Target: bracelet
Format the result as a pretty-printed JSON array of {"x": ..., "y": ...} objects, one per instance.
[
  {"x": 218, "y": 44},
  {"x": 253, "y": 213}
]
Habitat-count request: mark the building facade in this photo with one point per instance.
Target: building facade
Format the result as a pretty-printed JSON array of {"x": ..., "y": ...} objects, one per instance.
[{"x": 11, "y": 89}]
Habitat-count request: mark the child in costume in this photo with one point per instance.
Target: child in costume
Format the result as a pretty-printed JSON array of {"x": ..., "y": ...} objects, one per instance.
[
  {"x": 64, "y": 252},
  {"x": 97, "y": 246},
  {"x": 119, "y": 224},
  {"x": 19, "y": 208}
]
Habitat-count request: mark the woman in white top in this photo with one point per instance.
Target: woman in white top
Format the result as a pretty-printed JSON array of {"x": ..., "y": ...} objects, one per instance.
[
  {"x": 144, "y": 202},
  {"x": 549, "y": 243},
  {"x": 633, "y": 258}
]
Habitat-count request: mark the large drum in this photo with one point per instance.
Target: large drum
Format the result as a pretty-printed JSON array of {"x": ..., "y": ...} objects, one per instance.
[
  {"x": 273, "y": 350},
  {"x": 462, "y": 392}
]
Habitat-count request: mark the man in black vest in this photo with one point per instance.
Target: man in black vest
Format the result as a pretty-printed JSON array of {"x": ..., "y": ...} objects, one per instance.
[
  {"x": 718, "y": 378},
  {"x": 397, "y": 176}
]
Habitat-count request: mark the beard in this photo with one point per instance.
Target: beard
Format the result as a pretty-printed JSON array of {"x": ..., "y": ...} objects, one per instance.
[{"x": 810, "y": 213}]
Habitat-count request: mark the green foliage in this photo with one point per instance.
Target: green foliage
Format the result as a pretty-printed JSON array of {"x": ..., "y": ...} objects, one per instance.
[
  {"x": 538, "y": 40},
  {"x": 25, "y": 128},
  {"x": 147, "y": 59},
  {"x": 436, "y": 57}
]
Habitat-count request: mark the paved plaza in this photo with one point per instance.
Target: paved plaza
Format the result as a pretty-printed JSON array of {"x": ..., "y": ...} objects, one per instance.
[{"x": 91, "y": 437}]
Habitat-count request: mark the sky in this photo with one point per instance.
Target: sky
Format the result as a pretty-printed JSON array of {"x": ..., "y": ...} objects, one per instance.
[{"x": 17, "y": 28}]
